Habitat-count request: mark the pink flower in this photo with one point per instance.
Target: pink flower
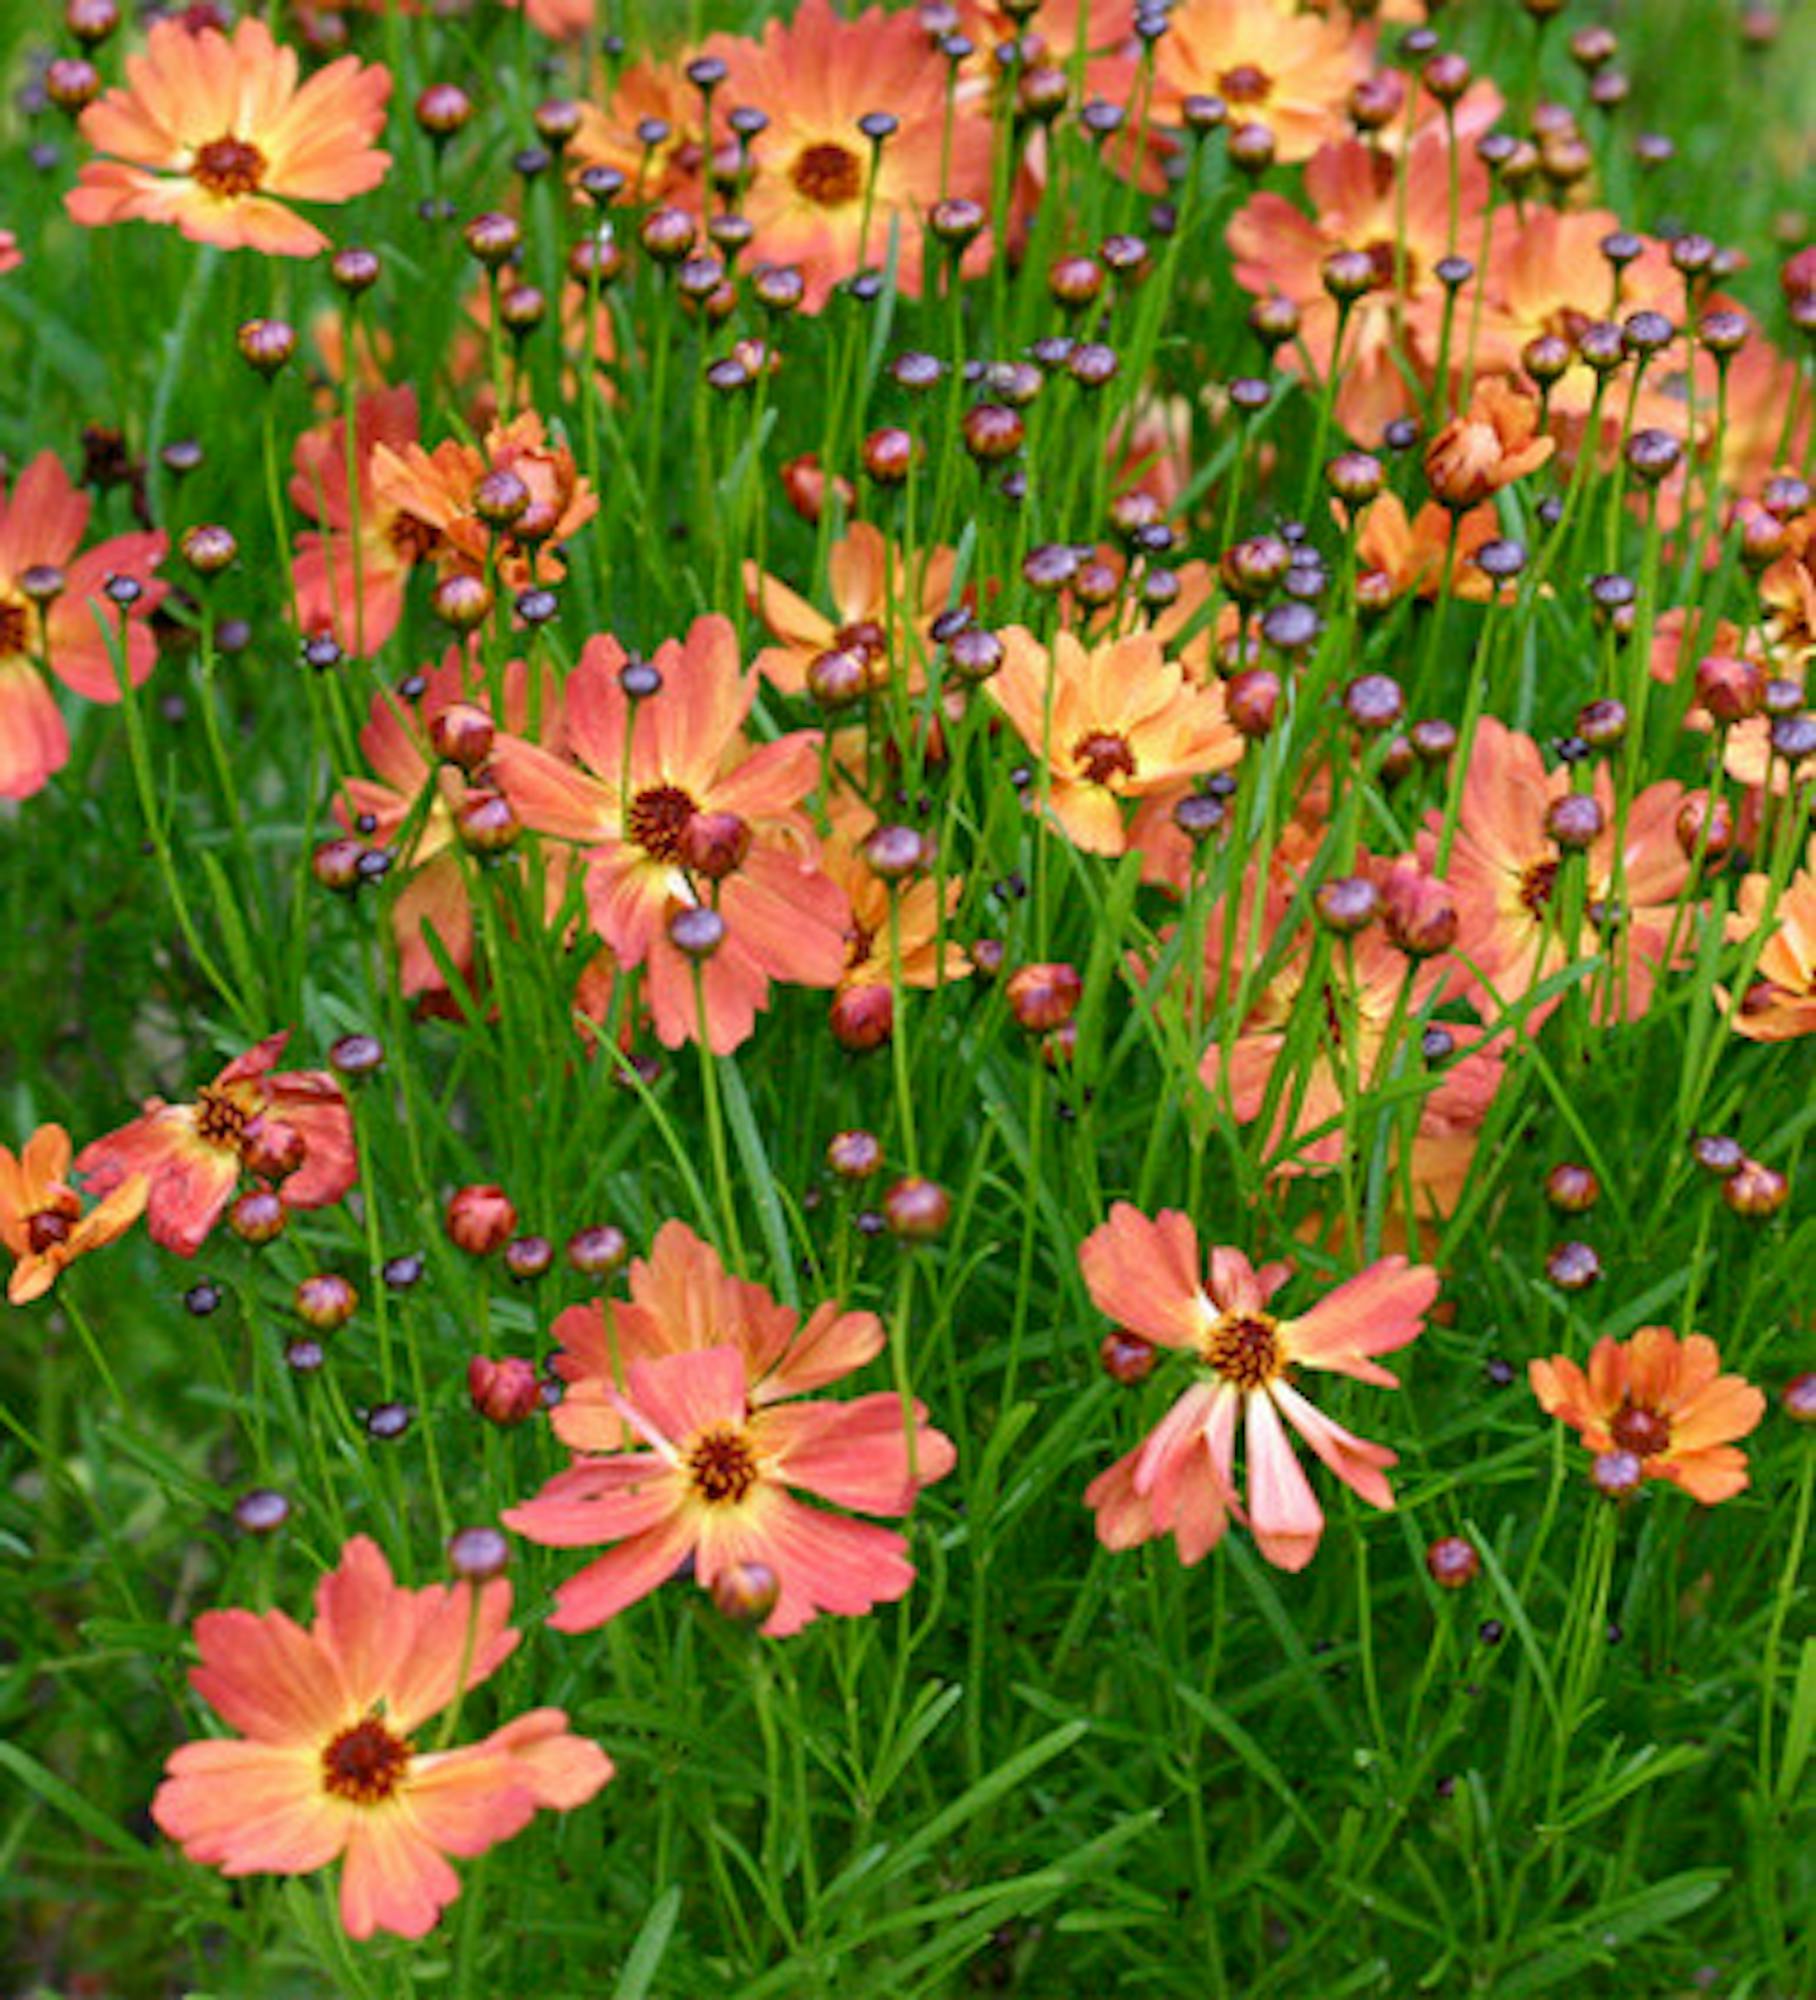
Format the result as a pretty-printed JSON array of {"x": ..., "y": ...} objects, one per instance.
[{"x": 1181, "y": 1479}]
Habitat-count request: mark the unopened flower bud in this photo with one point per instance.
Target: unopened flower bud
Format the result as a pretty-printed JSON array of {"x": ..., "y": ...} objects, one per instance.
[
  {"x": 746, "y": 1592},
  {"x": 479, "y": 1555},
  {"x": 1571, "y": 1188},
  {"x": 1453, "y": 1562},
  {"x": 1044, "y": 996},
  {"x": 862, "y": 1018},
  {"x": 854, "y": 1155},
  {"x": 714, "y": 844},
  {"x": 917, "y": 1209},
  {"x": 259, "y": 1217},
  {"x": 1126, "y": 1357},
  {"x": 1755, "y": 1190},
  {"x": 506, "y": 1391},
  {"x": 480, "y": 1219},
  {"x": 325, "y": 1302}
]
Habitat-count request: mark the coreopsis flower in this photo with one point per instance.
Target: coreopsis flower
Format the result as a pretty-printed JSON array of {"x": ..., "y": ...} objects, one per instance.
[
  {"x": 1144, "y": 1273},
  {"x": 54, "y": 614},
  {"x": 913, "y": 945},
  {"x": 328, "y": 1763},
  {"x": 1493, "y": 443},
  {"x": 1545, "y": 274},
  {"x": 1780, "y": 1005},
  {"x": 1290, "y": 72},
  {"x": 43, "y": 1224},
  {"x": 1112, "y": 722},
  {"x": 215, "y": 135},
  {"x": 1661, "y": 1400},
  {"x": 647, "y": 99},
  {"x": 1504, "y": 870},
  {"x": 819, "y": 198},
  {"x": 675, "y": 810},
  {"x": 425, "y": 840},
  {"x": 438, "y": 488},
  {"x": 1360, "y": 201},
  {"x": 350, "y": 581},
  {"x": 292, "y": 1124},
  {"x": 1413, "y": 554},
  {"x": 560, "y": 20},
  {"x": 716, "y": 1481},
  {"x": 683, "y": 1301},
  {"x": 883, "y": 605},
  {"x": 1369, "y": 1001}
]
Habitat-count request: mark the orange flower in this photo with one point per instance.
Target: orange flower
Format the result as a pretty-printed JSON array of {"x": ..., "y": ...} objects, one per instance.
[
  {"x": 1504, "y": 869},
  {"x": 53, "y": 613},
  {"x": 1491, "y": 445},
  {"x": 294, "y": 1124},
  {"x": 41, "y": 1220},
  {"x": 648, "y": 97},
  {"x": 1411, "y": 554},
  {"x": 716, "y": 1483},
  {"x": 397, "y": 745},
  {"x": 354, "y": 586},
  {"x": 326, "y": 1765},
  {"x": 1661, "y": 1401},
  {"x": 1781, "y": 1004},
  {"x": 812, "y": 198},
  {"x": 1290, "y": 72},
  {"x": 1359, "y": 203},
  {"x": 438, "y": 488},
  {"x": 1181, "y": 1480},
  {"x": 208, "y": 131},
  {"x": 1117, "y": 721},
  {"x": 1545, "y": 274},
  {"x": 676, "y": 810},
  {"x": 683, "y": 1301},
  {"x": 882, "y": 611},
  {"x": 1370, "y": 1001}
]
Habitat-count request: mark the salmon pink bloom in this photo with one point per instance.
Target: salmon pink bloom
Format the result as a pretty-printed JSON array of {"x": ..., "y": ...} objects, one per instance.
[
  {"x": 1780, "y": 1005},
  {"x": 819, "y": 198},
  {"x": 560, "y": 20},
  {"x": 216, "y": 134},
  {"x": 1359, "y": 202},
  {"x": 1661, "y": 1400},
  {"x": 1181, "y": 1480},
  {"x": 1412, "y": 555},
  {"x": 328, "y": 1763},
  {"x": 53, "y": 613},
  {"x": 351, "y": 576},
  {"x": 683, "y": 1301},
  {"x": 42, "y": 1223},
  {"x": 716, "y": 1482},
  {"x": 192, "y": 1155},
  {"x": 1504, "y": 871},
  {"x": 882, "y": 611},
  {"x": 647, "y": 97},
  {"x": 1493, "y": 443},
  {"x": 1290, "y": 72},
  {"x": 11, "y": 256},
  {"x": 1113, "y": 722},
  {"x": 397, "y": 741},
  {"x": 675, "y": 810},
  {"x": 437, "y": 489}
]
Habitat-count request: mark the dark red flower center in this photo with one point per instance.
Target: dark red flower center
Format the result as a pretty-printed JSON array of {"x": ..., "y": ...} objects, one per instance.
[
  {"x": 14, "y": 626},
  {"x": 1641, "y": 1431},
  {"x": 1103, "y": 755},
  {"x": 1387, "y": 261},
  {"x": 658, "y": 818},
  {"x": 365, "y": 1764},
  {"x": 228, "y": 167},
  {"x": 1537, "y": 880},
  {"x": 412, "y": 539},
  {"x": 220, "y": 1118},
  {"x": 1245, "y": 84},
  {"x": 827, "y": 175},
  {"x": 860, "y": 940},
  {"x": 46, "y": 1229},
  {"x": 722, "y": 1466},
  {"x": 1244, "y": 1349},
  {"x": 866, "y": 636}
]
